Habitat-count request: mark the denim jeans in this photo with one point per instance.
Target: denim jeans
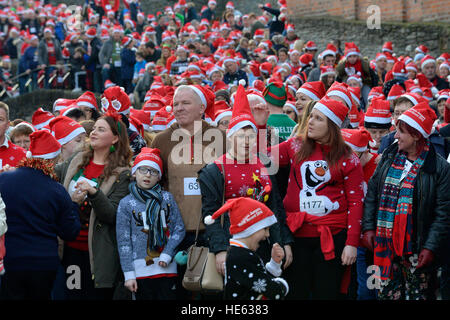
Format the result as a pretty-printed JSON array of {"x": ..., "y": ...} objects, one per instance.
[{"x": 363, "y": 292}]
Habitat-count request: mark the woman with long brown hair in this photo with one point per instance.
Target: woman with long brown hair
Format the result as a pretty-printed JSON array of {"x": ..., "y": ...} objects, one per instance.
[
  {"x": 323, "y": 203},
  {"x": 97, "y": 179}
]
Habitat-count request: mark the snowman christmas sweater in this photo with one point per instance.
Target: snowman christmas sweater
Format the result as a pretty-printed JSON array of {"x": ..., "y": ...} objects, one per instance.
[{"x": 321, "y": 201}]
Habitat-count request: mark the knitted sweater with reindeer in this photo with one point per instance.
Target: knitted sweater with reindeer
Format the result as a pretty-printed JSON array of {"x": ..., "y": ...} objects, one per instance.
[{"x": 132, "y": 242}]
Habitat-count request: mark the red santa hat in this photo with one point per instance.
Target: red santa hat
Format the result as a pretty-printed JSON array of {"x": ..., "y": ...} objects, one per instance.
[
  {"x": 414, "y": 97},
  {"x": 116, "y": 99},
  {"x": 153, "y": 104},
  {"x": 340, "y": 90},
  {"x": 375, "y": 92},
  {"x": 306, "y": 59},
  {"x": 65, "y": 129},
  {"x": 443, "y": 94},
  {"x": 421, "y": 117},
  {"x": 242, "y": 115},
  {"x": 61, "y": 103},
  {"x": 351, "y": 49},
  {"x": 109, "y": 83},
  {"x": 315, "y": 90},
  {"x": 399, "y": 70},
  {"x": 411, "y": 67},
  {"x": 163, "y": 119},
  {"x": 357, "y": 139},
  {"x": 229, "y": 5},
  {"x": 259, "y": 34},
  {"x": 422, "y": 49},
  {"x": 355, "y": 116},
  {"x": 222, "y": 110},
  {"x": 329, "y": 51},
  {"x": 334, "y": 110},
  {"x": 310, "y": 45},
  {"x": 148, "y": 157},
  {"x": 378, "y": 114},
  {"x": 387, "y": 46},
  {"x": 265, "y": 68},
  {"x": 291, "y": 104},
  {"x": 136, "y": 125},
  {"x": 143, "y": 116},
  {"x": 327, "y": 70},
  {"x": 427, "y": 60},
  {"x": 207, "y": 97},
  {"x": 43, "y": 145},
  {"x": 87, "y": 99},
  {"x": 247, "y": 216},
  {"x": 412, "y": 86},
  {"x": 41, "y": 118},
  {"x": 356, "y": 76},
  {"x": 395, "y": 92}
]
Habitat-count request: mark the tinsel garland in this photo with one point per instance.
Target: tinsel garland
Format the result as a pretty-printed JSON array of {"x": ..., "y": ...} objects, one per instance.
[{"x": 46, "y": 166}]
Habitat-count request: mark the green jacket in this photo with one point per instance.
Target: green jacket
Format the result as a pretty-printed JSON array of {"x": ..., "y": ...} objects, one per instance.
[
  {"x": 431, "y": 203},
  {"x": 211, "y": 183},
  {"x": 103, "y": 252}
]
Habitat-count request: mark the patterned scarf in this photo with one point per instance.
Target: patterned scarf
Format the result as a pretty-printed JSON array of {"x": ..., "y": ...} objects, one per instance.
[
  {"x": 394, "y": 220},
  {"x": 155, "y": 217}
]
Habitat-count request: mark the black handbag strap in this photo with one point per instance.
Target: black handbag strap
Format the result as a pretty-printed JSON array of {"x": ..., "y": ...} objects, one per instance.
[{"x": 223, "y": 202}]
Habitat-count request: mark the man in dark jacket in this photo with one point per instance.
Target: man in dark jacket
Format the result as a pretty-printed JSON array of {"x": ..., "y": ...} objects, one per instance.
[
  {"x": 210, "y": 12},
  {"x": 38, "y": 210}
]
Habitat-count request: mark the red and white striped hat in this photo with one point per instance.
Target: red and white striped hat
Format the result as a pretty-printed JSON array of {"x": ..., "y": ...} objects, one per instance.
[
  {"x": 378, "y": 114},
  {"x": 61, "y": 103},
  {"x": 358, "y": 138},
  {"x": 65, "y": 129},
  {"x": 315, "y": 90},
  {"x": 242, "y": 115},
  {"x": 43, "y": 145},
  {"x": 148, "y": 157},
  {"x": 334, "y": 110},
  {"x": 421, "y": 117},
  {"x": 340, "y": 90},
  {"x": 87, "y": 99},
  {"x": 41, "y": 118},
  {"x": 143, "y": 116}
]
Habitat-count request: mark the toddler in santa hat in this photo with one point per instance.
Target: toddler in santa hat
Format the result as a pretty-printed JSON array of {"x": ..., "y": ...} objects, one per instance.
[
  {"x": 246, "y": 277},
  {"x": 149, "y": 228}
]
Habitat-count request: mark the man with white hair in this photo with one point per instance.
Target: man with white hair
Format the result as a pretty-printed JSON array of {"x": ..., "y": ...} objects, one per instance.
[
  {"x": 428, "y": 66},
  {"x": 186, "y": 147}
]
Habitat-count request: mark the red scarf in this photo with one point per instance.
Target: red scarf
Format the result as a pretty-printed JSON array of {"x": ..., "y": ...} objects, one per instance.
[{"x": 357, "y": 67}]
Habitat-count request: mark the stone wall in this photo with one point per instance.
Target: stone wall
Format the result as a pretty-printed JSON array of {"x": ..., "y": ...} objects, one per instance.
[
  {"x": 405, "y": 36},
  {"x": 390, "y": 10}
]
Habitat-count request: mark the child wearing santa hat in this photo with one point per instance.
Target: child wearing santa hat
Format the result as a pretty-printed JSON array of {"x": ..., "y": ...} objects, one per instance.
[
  {"x": 149, "y": 228},
  {"x": 246, "y": 277}
]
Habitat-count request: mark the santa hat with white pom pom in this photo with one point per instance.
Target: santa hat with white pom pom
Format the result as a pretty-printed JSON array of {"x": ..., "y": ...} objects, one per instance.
[
  {"x": 247, "y": 216},
  {"x": 43, "y": 145}
]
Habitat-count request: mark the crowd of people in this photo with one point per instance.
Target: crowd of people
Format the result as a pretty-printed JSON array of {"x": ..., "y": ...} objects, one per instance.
[{"x": 310, "y": 173}]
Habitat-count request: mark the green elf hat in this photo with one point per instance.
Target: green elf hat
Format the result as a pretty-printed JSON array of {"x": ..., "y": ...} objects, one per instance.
[{"x": 275, "y": 93}]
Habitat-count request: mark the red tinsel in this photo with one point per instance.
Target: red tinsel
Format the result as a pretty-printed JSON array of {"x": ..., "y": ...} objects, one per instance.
[{"x": 46, "y": 166}]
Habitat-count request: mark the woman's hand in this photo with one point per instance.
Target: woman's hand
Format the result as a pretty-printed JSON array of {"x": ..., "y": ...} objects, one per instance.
[
  {"x": 220, "y": 262},
  {"x": 84, "y": 186},
  {"x": 78, "y": 196},
  {"x": 131, "y": 285},
  {"x": 348, "y": 255},
  {"x": 289, "y": 256}
]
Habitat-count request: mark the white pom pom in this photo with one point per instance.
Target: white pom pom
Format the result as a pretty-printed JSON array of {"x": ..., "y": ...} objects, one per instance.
[
  {"x": 242, "y": 82},
  {"x": 403, "y": 71},
  {"x": 168, "y": 108},
  {"x": 416, "y": 81},
  {"x": 434, "y": 90},
  {"x": 358, "y": 73},
  {"x": 372, "y": 143},
  {"x": 209, "y": 220},
  {"x": 122, "y": 88},
  {"x": 28, "y": 154}
]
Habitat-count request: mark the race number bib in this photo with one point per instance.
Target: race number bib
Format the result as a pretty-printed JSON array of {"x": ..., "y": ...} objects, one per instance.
[
  {"x": 191, "y": 187},
  {"x": 312, "y": 205},
  {"x": 117, "y": 64}
]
